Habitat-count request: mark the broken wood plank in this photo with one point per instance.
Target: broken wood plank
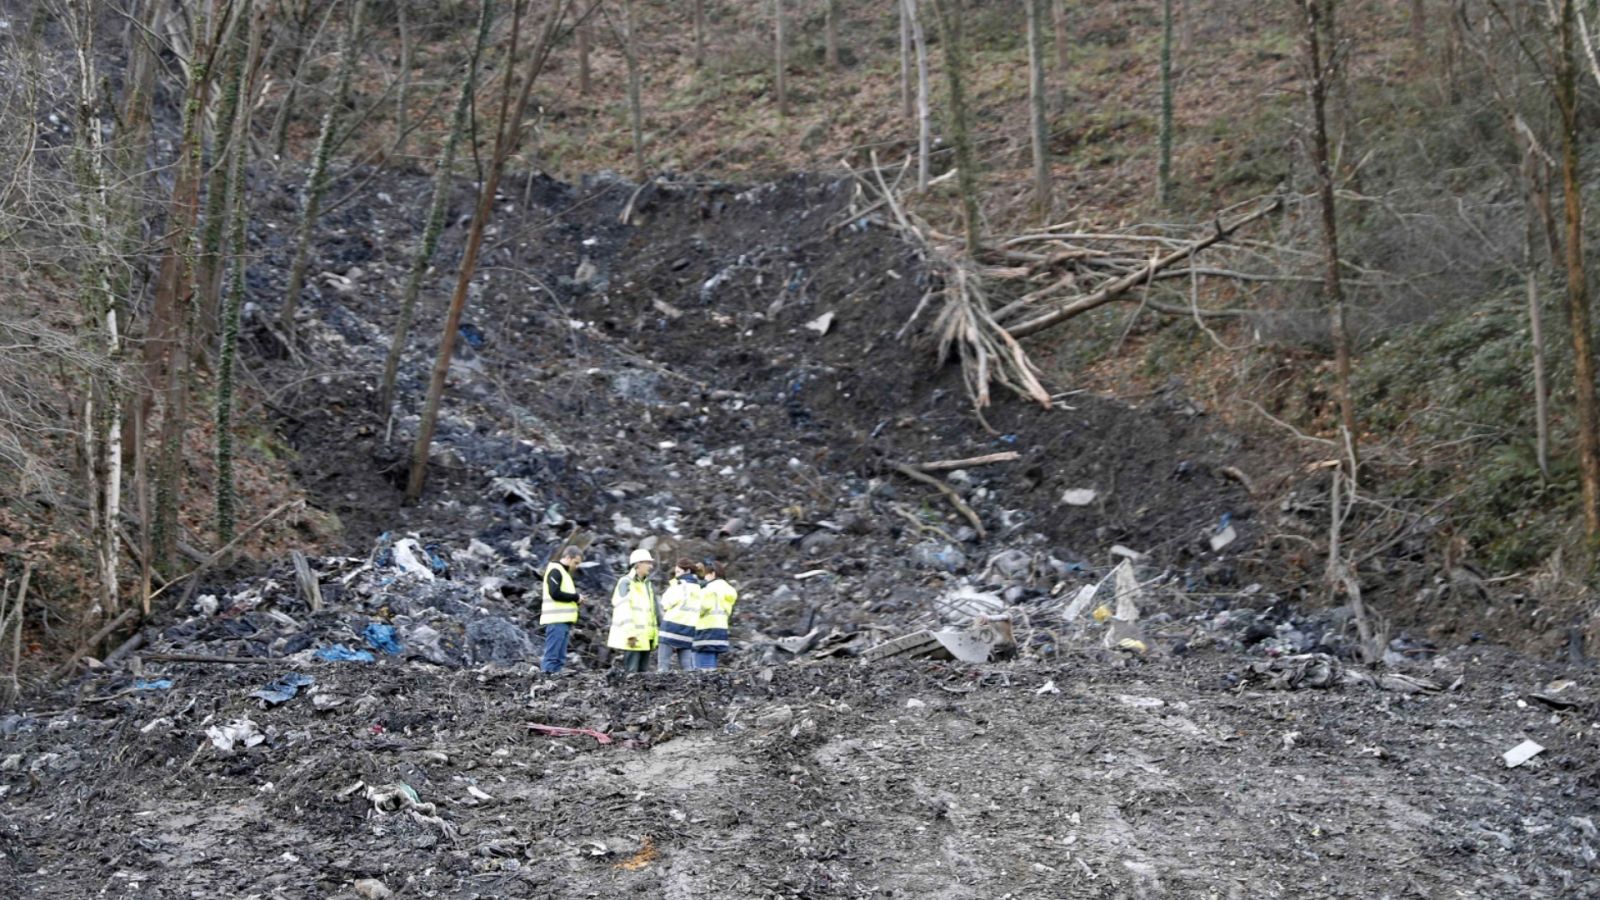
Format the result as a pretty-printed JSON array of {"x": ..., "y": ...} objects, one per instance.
[{"x": 306, "y": 580}]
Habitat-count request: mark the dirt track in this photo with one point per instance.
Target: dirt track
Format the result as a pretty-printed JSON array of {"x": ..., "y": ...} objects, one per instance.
[{"x": 670, "y": 390}]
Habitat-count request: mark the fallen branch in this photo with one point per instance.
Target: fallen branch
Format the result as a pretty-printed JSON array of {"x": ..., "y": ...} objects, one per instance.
[
  {"x": 1120, "y": 286},
  {"x": 203, "y": 658},
  {"x": 911, "y": 517},
  {"x": 97, "y": 637},
  {"x": 944, "y": 464},
  {"x": 193, "y": 576},
  {"x": 949, "y": 492}
]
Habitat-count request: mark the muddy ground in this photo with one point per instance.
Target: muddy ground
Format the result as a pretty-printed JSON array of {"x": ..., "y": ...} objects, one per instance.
[{"x": 677, "y": 381}]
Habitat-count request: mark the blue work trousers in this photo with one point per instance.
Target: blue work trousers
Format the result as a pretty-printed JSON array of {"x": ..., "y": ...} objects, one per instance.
[
  {"x": 555, "y": 648},
  {"x": 705, "y": 660}
]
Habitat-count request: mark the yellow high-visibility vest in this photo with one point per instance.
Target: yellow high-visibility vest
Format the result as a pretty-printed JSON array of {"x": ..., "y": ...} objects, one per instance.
[
  {"x": 680, "y": 612},
  {"x": 716, "y": 605},
  {"x": 553, "y": 611}
]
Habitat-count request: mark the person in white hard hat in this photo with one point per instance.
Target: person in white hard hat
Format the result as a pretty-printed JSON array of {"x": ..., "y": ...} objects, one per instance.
[{"x": 633, "y": 613}]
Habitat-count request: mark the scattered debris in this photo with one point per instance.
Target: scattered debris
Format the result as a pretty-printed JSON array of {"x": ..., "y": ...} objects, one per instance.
[
  {"x": 821, "y": 323},
  {"x": 342, "y": 653},
  {"x": 238, "y": 733},
  {"x": 559, "y": 731},
  {"x": 381, "y": 637},
  {"x": 1049, "y": 687}
]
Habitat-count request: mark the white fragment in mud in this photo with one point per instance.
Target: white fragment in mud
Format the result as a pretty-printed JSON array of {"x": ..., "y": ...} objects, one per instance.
[
  {"x": 239, "y": 732},
  {"x": 666, "y": 445},
  {"x": 914, "y": 703},
  {"x": 405, "y": 556},
  {"x": 1049, "y": 687},
  {"x": 821, "y": 323},
  {"x": 1126, "y": 553},
  {"x": 1141, "y": 702},
  {"x": 1129, "y": 594},
  {"x": 372, "y": 889},
  {"x": 624, "y": 526},
  {"x": 1223, "y": 538},
  {"x": 1080, "y": 602},
  {"x": 813, "y": 573},
  {"x": 1521, "y": 753},
  {"x": 478, "y": 794},
  {"x": 1079, "y": 496}
]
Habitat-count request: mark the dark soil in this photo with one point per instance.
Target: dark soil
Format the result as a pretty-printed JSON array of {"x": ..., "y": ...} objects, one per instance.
[{"x": 656, "y": 383}]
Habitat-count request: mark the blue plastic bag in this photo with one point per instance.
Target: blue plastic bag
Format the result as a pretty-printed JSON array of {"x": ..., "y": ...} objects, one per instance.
[
  {"x": 381, "y": 637},
  {"x": 284, "y": 689},
  {"x": 156, "y": 684},
  {"x": 341, "y": 653}
]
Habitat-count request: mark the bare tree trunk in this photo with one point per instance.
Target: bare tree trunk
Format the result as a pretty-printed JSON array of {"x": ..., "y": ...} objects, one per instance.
[
  {"x": 317, "y": 181},
  {"x": 585, "y": 86},
  {"x": 403, "y": 86},
  {"x": 1541, "y": 391},
  {"x": 172, "y": 325},
  {"x": 782, "y": 66},
  {"x": 436, "y": 211},
  {"x": 1036, "y": 91},
  {"x": 103, "y": 405},
  {"x": 208, "y": 279},
  {"x": 1164, "y": 167},
  {"x": 238, "y": 153},
  {"x": 1419, "y": 29},
  {"x": 831, "y": 34},
  {"x": 304, "y": 51},
  {"x": 699, "y": 34},
  {"x": 1063, "y": 51},
  {"x": 948, "y": 13},
  {"x": 508, "y": 135},
  {"x": 906, "y": 93},
  {"x": 1185, "y": 27},
  {"x": 1317, "y": 88},
  {"x": 630, "y": 51},
  {"x": 924, "y": 112},
  {"x": 1566, "y": 89}
]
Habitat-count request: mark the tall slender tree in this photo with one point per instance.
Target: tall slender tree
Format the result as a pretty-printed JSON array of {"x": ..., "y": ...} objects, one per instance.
[
  {"x": 585, "y": 78},
  {"x": 508, "y": 135},
  {"x": 1036, "y": 91},
  {"x": 699, "y": 34},
  {"x": 1164, "y": 167},
  {"x": 225, "y": 494},
  {"x": 437, "y": 209},
  {"x": 779, "y": 52},
  {"x": 906, "y": 93},
  {"x": 949, "y": 14},
  {"x": 830, "y": 30},
  {"x": 924, "y": 112},
  {"x": 317, "y": 180},
  {"x": 1058, "y": 9},
  {"x": 1317, "y": 92},
  {"x": 1578, "y": 318},
  {"x": 630, "y": 52}
]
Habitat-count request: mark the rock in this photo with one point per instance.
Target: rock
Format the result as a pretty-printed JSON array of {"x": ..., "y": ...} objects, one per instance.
[
  {"x": 498, "y": 640},
  {"x": 1080, "y": 496},
  {"x": 372, "y": 889},
  {"x": 1012, "y": 564}
]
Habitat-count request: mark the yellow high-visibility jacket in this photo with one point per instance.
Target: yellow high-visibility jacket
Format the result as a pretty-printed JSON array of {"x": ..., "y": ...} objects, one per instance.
[
  {"x": 680, "y": 612},
  {"x": 716, "y": 607},
  {"x": 633, "y": 615}
]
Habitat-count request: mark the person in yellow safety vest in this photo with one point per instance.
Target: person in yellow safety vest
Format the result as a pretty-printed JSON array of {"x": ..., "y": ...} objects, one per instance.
[
  {"x": 716, "y": 607},
  {"x": 559, "y": 611},
  {"x": 633, "y": 613},
  {"x": 680, "y": 618}
]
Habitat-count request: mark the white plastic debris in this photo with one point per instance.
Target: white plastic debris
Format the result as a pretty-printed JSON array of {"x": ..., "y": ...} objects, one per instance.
[
  {"x": 409, "y": 556},
  {"x": 1129, "y": 594},
  {"x": 1049, "y": 687},
  {"x": 821, "y": 323},
  {"x": 1126, "y": 552},
  {"x": 1080, "y": 602},
  {"x": 1080, "y": 496},
  {"x": 1223, "y": 538},
  {"x": 238, "y": 733},
  {"x": 1521, "y": 753}
]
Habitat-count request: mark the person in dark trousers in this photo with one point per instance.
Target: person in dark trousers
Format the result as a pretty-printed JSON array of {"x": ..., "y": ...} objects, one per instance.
[
  {"x": 680, "y": 618},
  {"x": 559, "y": 612},
  {"x": 716, "y": 606}
]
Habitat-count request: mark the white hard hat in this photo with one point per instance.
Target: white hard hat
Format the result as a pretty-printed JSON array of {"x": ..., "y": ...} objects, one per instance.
[{"x": 639, "y": 556}]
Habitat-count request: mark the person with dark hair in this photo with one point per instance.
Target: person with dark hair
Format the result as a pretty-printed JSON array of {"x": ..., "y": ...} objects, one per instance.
[
  {"x": 680, "y": 618},
  {"x": 633, "y": 613},
  {"x": 716, "y": 607},
  {"x": 559, "y": 611}
]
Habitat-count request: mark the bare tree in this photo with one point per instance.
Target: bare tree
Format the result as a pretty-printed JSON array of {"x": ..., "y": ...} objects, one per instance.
[
  {"x": 508, "y": 135},
  {"x": 1164, "y": 168},
  {"x": 781, "y": 64},
  {"x": 1564, "y": 13},
  {"x": 208, "y": 280},
  {"x": 924, "y": 115},
  {"x": 585, "y": 87},
  {"x": 699, "y": 34},
  {"x": 949, "y": 14},
  {"x": 905, "y": 61},
  {"x": 1036, "y": 98},
  {"x": 830, "y": 28},
  {"x": 436, "y": 210},
  {"x": 1317, "y": 92},
  {"x": 630, "y": 52},
  {"x": 317, "y": 180},
  {"x": 1058, "y": 10}
]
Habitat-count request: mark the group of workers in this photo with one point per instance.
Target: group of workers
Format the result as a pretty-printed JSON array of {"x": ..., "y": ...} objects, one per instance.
[{"x": 686, "y": 626}]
